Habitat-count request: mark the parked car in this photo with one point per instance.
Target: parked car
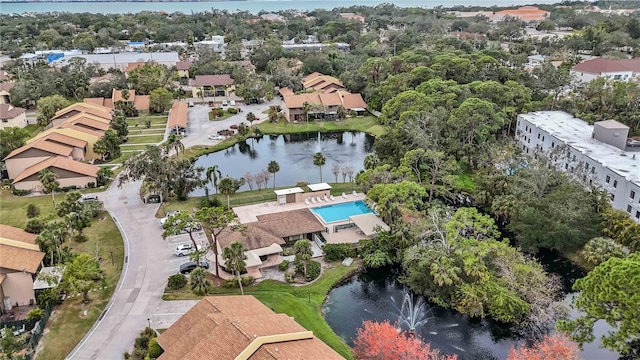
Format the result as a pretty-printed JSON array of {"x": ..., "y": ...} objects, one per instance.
[
  {"x": 225, "y": 103},
  {"x": 89, "y": 198},
  {"x": 186, "y": 249},
  {"x": 215, "y": 137},
  {"x": 169, "y": 214},
  {"x": 232, "y": 103},
  {"x": 225, "y": 132},
  {"x": 190, "y": 103},
  {"x": 234, "y": 127},
  {"x": 191, "y": 265}
]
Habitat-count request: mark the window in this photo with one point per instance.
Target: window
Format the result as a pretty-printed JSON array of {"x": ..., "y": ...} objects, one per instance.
[
  {"x": 526, "y": 128},
  {"x": 629, "y": 209},
  {"x": 574, "y": 158},
  {"x": 543, "y": 138},
  {"x": 553, "y": 144},
  {"x": 613, "y": 197},
  {"x": 608, "y": 179},
  {"x": 593, "y": 169},
  {"x": 617, "y": 77},
  {"x": 615, "y": 183},
  {"x": 633, "y": 194},
  {"x": 5, "y": 120},
  {"x": 586, "y": 166},
  {"x": 637, "y": 214},
  {"x": 566, "y": 166},
  {"x": 538, "y": 136},
  {"x": 530, "y": 130}
]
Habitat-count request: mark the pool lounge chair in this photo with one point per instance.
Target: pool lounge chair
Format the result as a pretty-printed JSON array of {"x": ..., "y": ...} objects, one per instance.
[
  {"x": 319, "y": 199},
  {"x": 313, "y": 200},
  {"x": 344, "y": 195},
  {"x": 306, "y": 201},
  {"x": 332, "y": 198},
  {"x": 326, "y": 198},
  {"x": 355, "y": 193}
]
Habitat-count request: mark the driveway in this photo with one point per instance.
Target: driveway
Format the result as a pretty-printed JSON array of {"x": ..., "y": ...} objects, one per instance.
[
  {"x": 200, "y": 126},
  {"x": 138, "y": 296}
]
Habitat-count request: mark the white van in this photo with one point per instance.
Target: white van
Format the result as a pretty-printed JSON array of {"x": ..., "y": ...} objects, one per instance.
[{"x": 184, "y": 249}]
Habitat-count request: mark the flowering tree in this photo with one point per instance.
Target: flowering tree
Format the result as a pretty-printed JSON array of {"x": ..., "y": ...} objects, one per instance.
[
  {"x": 385, "y": 342},
  {"x": 554, "y": 347}
]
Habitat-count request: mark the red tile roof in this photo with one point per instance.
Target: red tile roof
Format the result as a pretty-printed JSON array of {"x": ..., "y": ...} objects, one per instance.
[
  {"x": 183, "y": 65},
  {"x": 8, "y": 111},
  {"x": 178, "y": 115},
  {"x": 60, "y": 163},
  {"x": 7, "y": 86},
  {"x": 44, "y": 145},
  {"x": 212, "y": 80},
  {"x": 602, "y": 65}
]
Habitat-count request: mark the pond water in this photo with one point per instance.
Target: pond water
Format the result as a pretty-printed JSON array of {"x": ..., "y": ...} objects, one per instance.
[
  {"x": 377, "y": 295},
  {"x": 294, "y": 153}
]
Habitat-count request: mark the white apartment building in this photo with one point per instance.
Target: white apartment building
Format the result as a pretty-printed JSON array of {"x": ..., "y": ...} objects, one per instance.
[
  {"x": 594, "y": 153},
  {"x": 610, "y": 69}
]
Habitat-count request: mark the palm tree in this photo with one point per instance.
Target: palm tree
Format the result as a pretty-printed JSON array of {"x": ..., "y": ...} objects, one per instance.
[
  {"x": 273, "y": 168},
  {"x": 49, "y": 183},
  {"x": 234, "y": 258},
  {"x": 251, "y": 117},
  {"x": 173, "y": 143},
  {"x": 213, "y": 175},
  {"x": 371, "y": 161},
  {"x": 303, "y": 253},
  {"x": 319, "y": 160},
  {"x": 200, "y": 285},
  {"x": 227, "y": 187}
]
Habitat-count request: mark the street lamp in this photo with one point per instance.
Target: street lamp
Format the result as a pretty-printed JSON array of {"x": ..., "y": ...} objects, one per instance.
[{"x": 149, "y": 323}]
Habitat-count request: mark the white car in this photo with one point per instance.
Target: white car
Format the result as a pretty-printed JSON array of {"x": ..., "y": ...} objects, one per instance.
[
  {"x": 232, "y": 103},
  {"x": 224, "y": 103},
  {"x": 169, "y": 214},
  {"x": 186, "y": 249},
  {"x": 215, "y": 137}
]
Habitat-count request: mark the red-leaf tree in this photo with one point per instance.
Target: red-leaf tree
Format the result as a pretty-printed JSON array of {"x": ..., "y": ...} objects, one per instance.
[
  {"x": 382, "y": 341},
  {"x": 554, "y": 347}
]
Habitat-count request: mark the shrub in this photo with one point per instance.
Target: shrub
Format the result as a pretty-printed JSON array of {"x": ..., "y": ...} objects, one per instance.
[
  {"x": 200, "y": 285},
  {"x": 154, "y": 349},
  {"x": 34, "y": 226},
  {"x": 232, "y": 111},
  {"x": 289, "y": 277},
  {"x": 313, "y": 269},
  {"x": 334, "y": 252},
  {"x": 48, "y": 297},
  {"x": 35, "y": 314},
  {"x": 247, "y": 280},
  {"x": 32, "y": 211},
  {"x": 286, "y": 252},
  {"x": 18, "y": 192},
  {"x": 209, "y": 202},
  {"x": 142, "y": 342},
  {"x": 301, "y": 184},
  {"x": 284, "y": 265},
  {"x": 126, "y": 355},
  {"x": 91, "y": 184},
  {"x": 177, "y": 281},
  {"x": 233, "y": 283},
  {"x": 68, "y": 188}
]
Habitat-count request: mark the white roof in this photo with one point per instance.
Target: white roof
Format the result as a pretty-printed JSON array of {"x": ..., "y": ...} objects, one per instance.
[
  {"x": 271, "y": 249},
  {"x": 295, "y": 190},
  {"x": 319, "y": 186},
  {"x": 252, "y": 259},
  {"x": 125, "y": 57},
  {"x": 48, "y": 277},
  {"x": 576, "y": 133},
  {"x": 369, "y": 223}
]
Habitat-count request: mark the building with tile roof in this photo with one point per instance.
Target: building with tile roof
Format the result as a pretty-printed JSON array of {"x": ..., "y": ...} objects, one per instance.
[
  {"x": 183, "y": 68},
  {"x": 82, "y": 107},
  {"x": 68, "y": 172},
  {"x": 610, "y": 69},
  {"x": 212, "y": 85},
  {"x": 5, "y": 89},
  {"x": 20, "y": 260},
  {"x": 239, "y": 327},
  {"x": 321, "y": 105},
  {"x": 11, "y": 116},
  {"x": 140, "y": 102}
]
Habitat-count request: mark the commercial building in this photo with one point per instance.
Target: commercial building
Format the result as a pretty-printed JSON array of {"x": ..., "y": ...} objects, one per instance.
[
  {"x": 121, "y": 60},
  {"x": 599, "y": 154},
  {"x": 610, "y": 69},
  {"x": 212, "y": 85},
  {"x": 239, "y": 327}
]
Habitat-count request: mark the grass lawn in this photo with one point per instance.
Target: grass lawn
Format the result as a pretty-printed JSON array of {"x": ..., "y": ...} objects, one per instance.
[
  {"x": 67, "y": 327},
  {"x": 303, "y": 303},
  {"x": 367, "y": 124},
  {"x": 33, "y": 129},
  {"x": 13, "y": 209},
  {"x": 199, "y": 150},
  {"x": 226, "y": 115},
  {"x": 246, "y": 198},
  {"x": 128, "y": 154},
  {"x": 144, "y": 139},
  {"x": 155, "y": 119}
]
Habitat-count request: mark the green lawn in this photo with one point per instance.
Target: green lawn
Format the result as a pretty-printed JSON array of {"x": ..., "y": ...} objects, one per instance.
[
  {"x": 155, "y": 119},
  {"x": 128, "y": 154},
  {"x": 67, "y": 327},
  {"x": 367, "y": 124},
  {"x": 303, "y": 303},
  {"x": 33, "y": 129},
  {"x": 199, "y": 150},
  {"x": 144, "y": 139},
  {"x": 226, "y": 115},
  {"x": 247, "y": 197}
]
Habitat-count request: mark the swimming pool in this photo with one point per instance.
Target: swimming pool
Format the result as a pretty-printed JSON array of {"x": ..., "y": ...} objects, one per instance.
[{"x": 341, "y": 212}]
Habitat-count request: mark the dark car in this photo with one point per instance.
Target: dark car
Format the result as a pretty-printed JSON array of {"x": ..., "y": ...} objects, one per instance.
[
  {"x": 233, "y": 127},
  {"x": 191, "y": 265}
]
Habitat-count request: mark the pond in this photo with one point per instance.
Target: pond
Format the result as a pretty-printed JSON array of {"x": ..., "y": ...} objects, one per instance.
[
  {"x": 377, "y": 295},
  {"x": 294, "y": 153}
]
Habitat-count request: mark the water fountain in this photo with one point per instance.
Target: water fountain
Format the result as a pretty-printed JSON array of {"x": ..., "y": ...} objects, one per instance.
[{"x": 412, "y": 314}]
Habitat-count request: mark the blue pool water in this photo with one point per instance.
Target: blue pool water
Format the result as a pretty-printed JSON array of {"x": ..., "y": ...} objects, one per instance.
[{"x": 341, "y": 212}]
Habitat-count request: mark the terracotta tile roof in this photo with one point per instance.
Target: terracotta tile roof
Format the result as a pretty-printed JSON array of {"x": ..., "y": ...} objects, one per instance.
[
  {"x": 311, "y": 76},
  {"x": 297, "y": 101},
  {"x": 320, "y": 82},
  {"x": 222, "y": 327},
  {"x": 81, "y": 128},
  {"x": 286, "y": 92},
  {"x": 178, "y": 115},
  {"x": 17, "y": 234},
  {"x": 141, "y": 102},
  {"x": 289, "y": 223},
  {"x": 60, "y": 163},
  {"x": 96, "y": 101},
  {"x": 352, "y": 101},
  {"x": 65, "y": 140},
  {"x": 254, "y": 237},
  {"x": 212, "y": 80},
  {"x": 116, "y": 95},
  {"x": 184, "y": 65},
  {"x": 134, "y": 65},
  {"x": 524, "y": 12},
  {"x": 602, "y": 65},
  {"x": 19, "y": 259},
  {"x": 7, "y": 86},
  {"x": 8, "y": 111},
  {"x": 332, "y": 99},
  {"x": 86, "y": 121},
  {"x": 41, "y": 144},
  {"x": 4, "y": 76},
  {"x": 93, "y": 109}
]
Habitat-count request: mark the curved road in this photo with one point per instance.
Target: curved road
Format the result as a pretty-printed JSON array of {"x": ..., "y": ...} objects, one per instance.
[{"x": 137, "y": 300}]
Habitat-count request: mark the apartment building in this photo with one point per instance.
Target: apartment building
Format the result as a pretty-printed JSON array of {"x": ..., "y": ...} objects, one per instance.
[{"x": 597, "y": 154}]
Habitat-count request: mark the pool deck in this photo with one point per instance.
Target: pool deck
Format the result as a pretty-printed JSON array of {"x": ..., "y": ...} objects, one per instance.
[{"x": 250, "y": 213}]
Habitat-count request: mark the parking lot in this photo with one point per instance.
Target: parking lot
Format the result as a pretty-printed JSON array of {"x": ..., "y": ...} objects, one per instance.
[{"x": 173, "y": 241}]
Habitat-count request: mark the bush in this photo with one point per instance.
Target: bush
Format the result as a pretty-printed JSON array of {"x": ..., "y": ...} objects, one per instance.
[
  {"x": 18, "y": 192},
  {"x": 289, "y": 277},
  {"x": 286, "y": 252},
  {"x": 34, "y": 226},
  {"x": 233, "y": 283},
  {"x": 91, "y": 184},
  {"x": 32, "y": 211},
  {"x": 126, "y": 355},
  {"x": 209, "y": 202},
  {"x": 154, "y": 349},
  {"x": 177, "y": 281},
  {"x": 334, "y": 252},
  {"x": 35, "y": 314},
  {"x": 141, "y": 342},
  {"x": 284, "y": 265},
  {"x": 48, "y": 297},
  {"x": 313, "y": 269},
  {"x": 248, "y": 280},
  {"x": 232, "y": 111},
  {"x": 301, "y": 184},
  {"x": 69, "y": 188}
]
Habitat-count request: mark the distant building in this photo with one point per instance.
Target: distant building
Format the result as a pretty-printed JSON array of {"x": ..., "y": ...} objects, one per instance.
[
  {"x": 596, "y": 154},
  {"x": 322, "y": 83},
  {"x": 610, "y": 69},
  {"x": 316, "y": 47},
  {"x": 11, "y": 116},
  {"x": 140, "y": 102},
  {"x": 121, "y": 60},
  {"x": 529, "y": 14},
  {"x": 272, "y": 17},
  {"x": 352, "y": 16},
  {"x": 216, "y": 43},
  {"x": 295, "y": 105},
  {"x": 212, "y": 85},
  {"x": 183, "y": 68},
  {"x": 5, "y": 92}
]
